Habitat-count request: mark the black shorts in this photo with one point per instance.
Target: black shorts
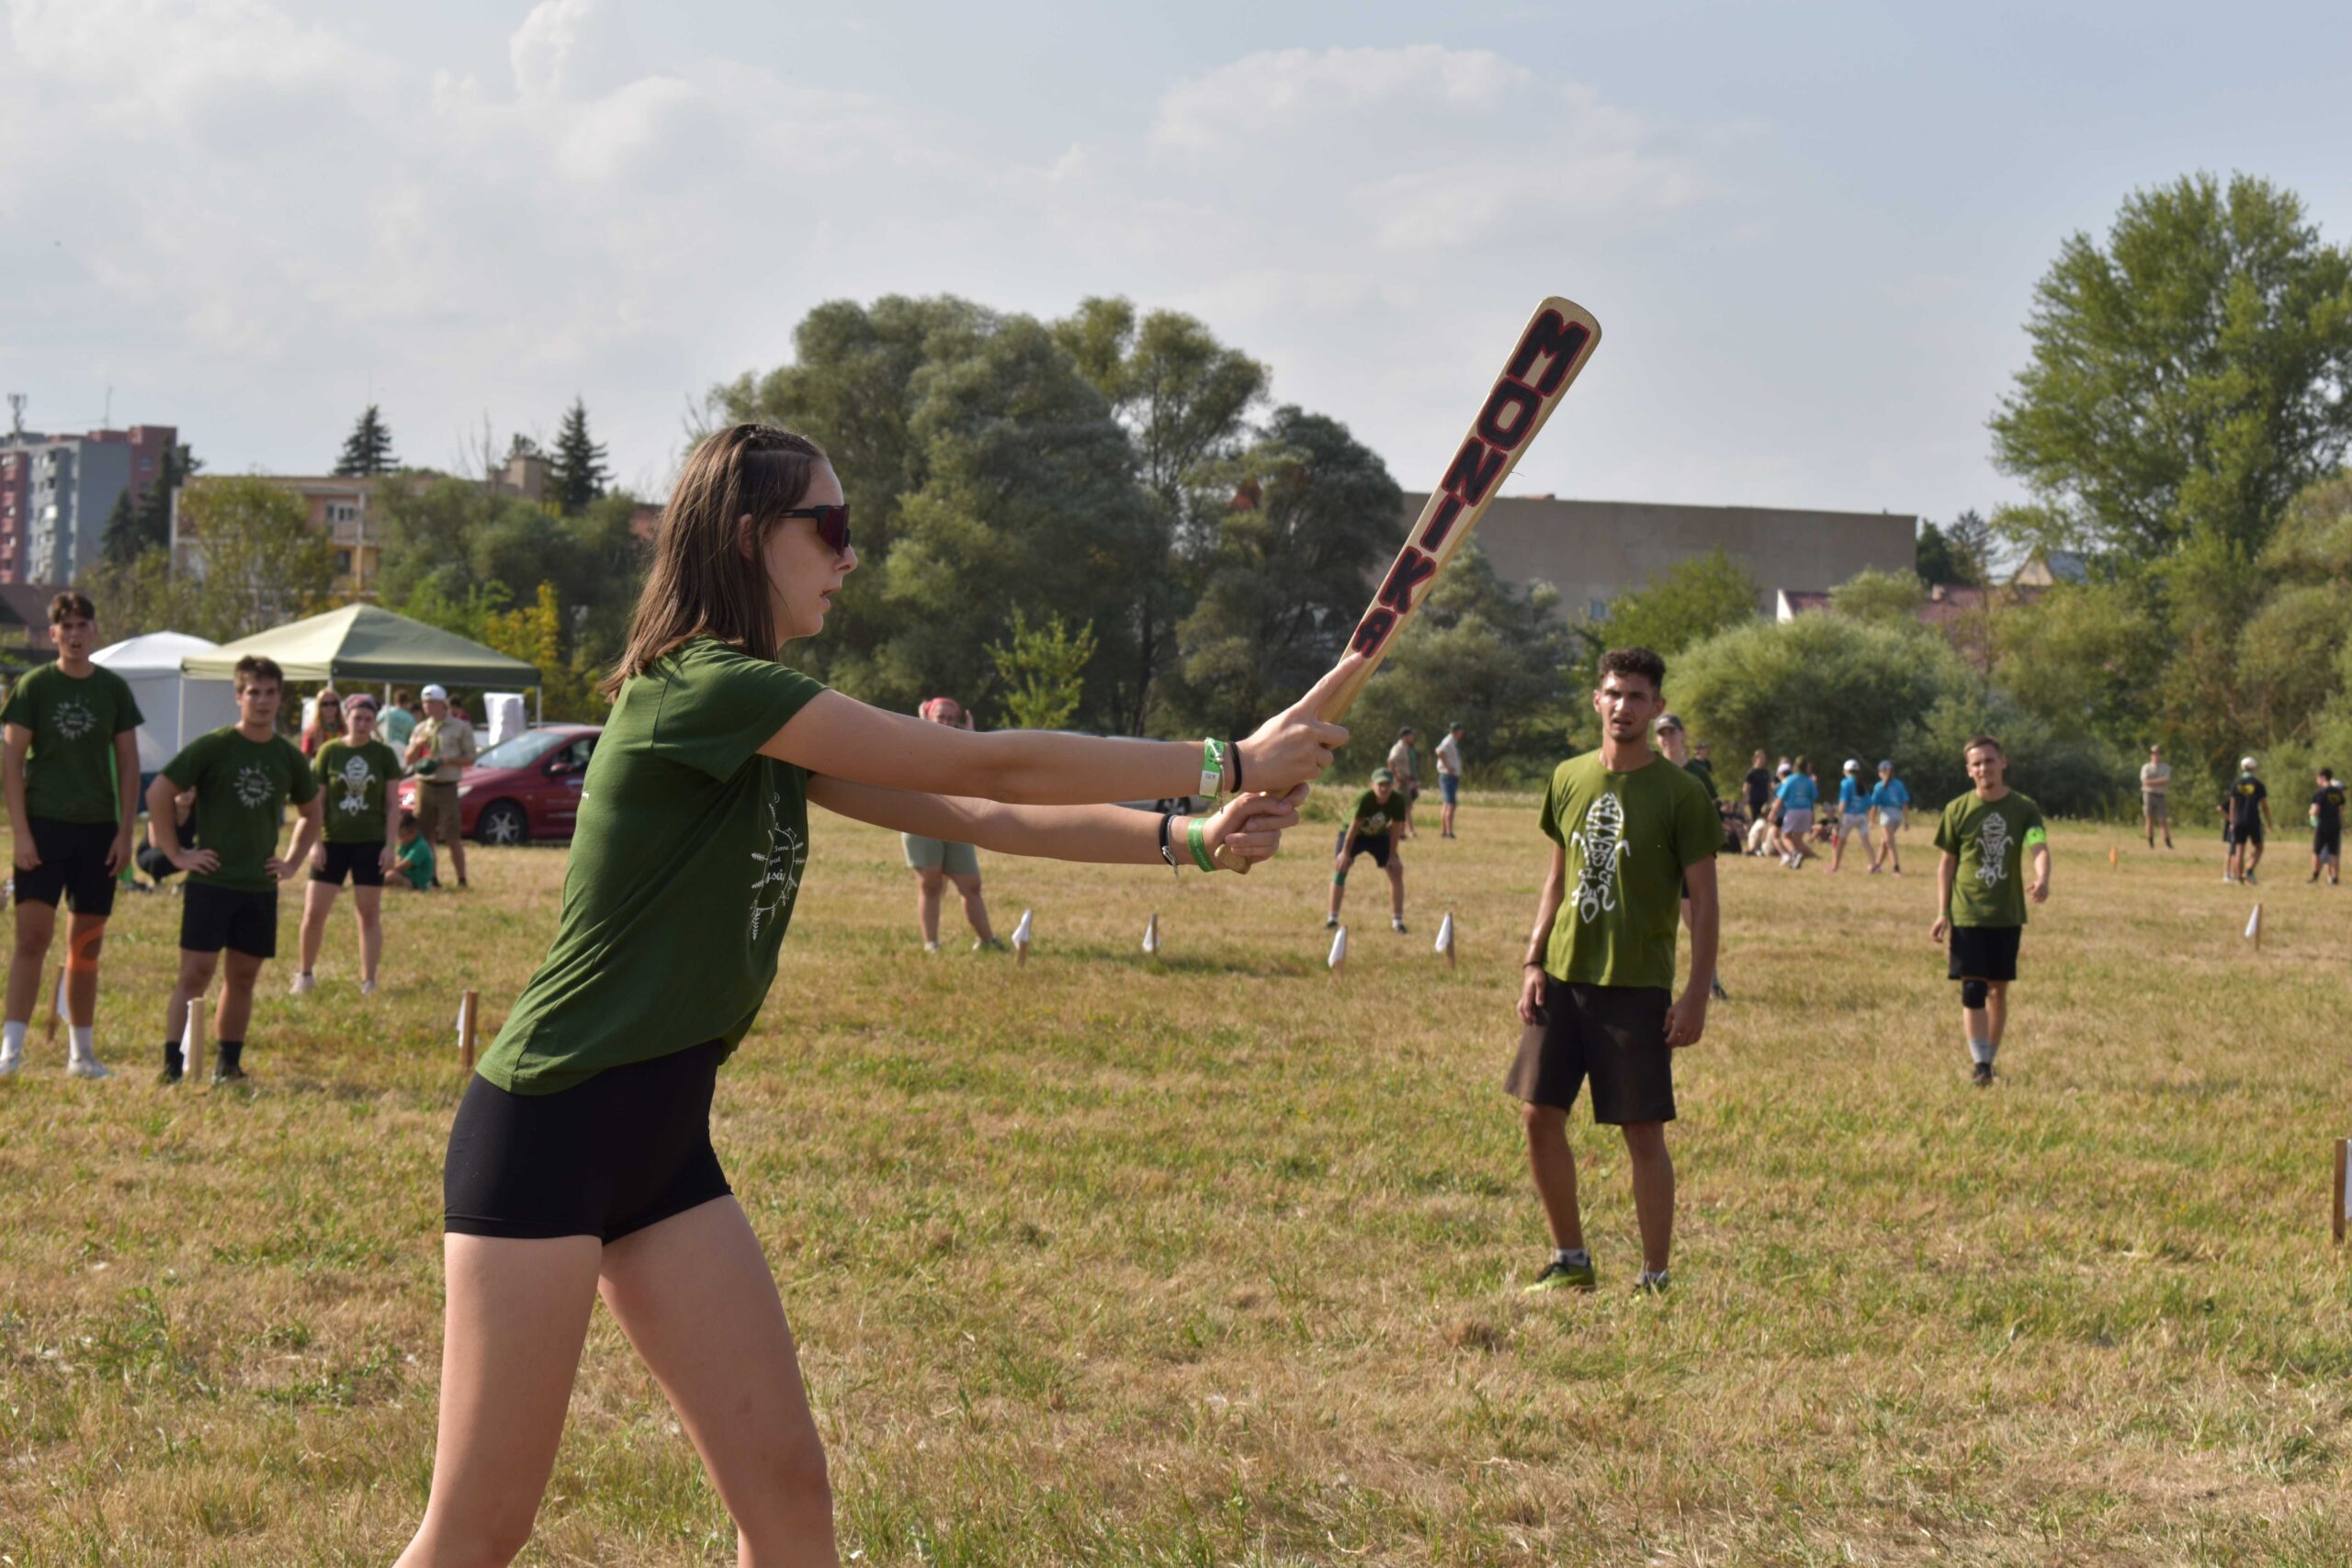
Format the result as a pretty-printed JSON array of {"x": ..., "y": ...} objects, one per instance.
[
  {"x": 2328, "y": 840},
  {"x": 364, "y": 861},
  {"x": 1615, "y": 1035},
  {"x": 237, "y": 919},
  {"x": 73, "y": 862},
  {"x": 2246, "y": 833},
  {"x": 1984, "y": 952},
  {"x": 1376, "y": 845},
  {"x": 627, "y": 1149}
]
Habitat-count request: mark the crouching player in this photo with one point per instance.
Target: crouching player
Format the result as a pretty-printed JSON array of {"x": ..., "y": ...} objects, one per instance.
[{"x": 1985, "y": 836}]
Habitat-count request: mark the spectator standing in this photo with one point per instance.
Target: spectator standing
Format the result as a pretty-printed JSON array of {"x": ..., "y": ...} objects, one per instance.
[
  {"x": 72, "y": 777},
  {"x": 2327, "y": 827},
  {"x": 2156, "y": 796},
  {"x": 1891, "y": 799},
  {"x": 326, "y": 722},
  {"x": 1675, "y": 742},
  {"x": 1756, "y": 788},
  {"x": 1853, "y": 813},
  {"x": 2246, "y": 818},
  {"x": 936, "y": 863},
  {"x": 439, "y": 751},
  {"x": 398, "y": 721},
  {"x": 356, "y": 773},
  {"x": 1449, "y": 776},
  {"x": 1404, "y": 767}
]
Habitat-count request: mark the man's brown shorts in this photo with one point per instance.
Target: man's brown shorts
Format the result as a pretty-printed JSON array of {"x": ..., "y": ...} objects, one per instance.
[
  {"x": 2152, "y": 802},
  {"x": 437, "y": 813},
  {"x": 1615, "y": 1035}
]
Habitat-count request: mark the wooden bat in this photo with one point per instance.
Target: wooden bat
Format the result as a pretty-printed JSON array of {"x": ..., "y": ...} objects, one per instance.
[{"x": 1560, "y": 338}]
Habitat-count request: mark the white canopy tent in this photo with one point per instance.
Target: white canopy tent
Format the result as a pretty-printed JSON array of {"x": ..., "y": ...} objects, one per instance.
[{"x": 177, "y": 708}]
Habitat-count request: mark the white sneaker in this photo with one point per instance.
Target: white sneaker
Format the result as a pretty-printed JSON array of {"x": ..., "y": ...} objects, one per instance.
[
  {"x": 367, "y": 987},
  {"x": 304, "y": 985},
  {"x": 86, "y": 1067},
  {"x": 9, "y": 1062}
]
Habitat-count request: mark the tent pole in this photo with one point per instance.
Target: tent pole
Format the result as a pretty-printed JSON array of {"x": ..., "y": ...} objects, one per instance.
[{"x": 538, "y": 706}]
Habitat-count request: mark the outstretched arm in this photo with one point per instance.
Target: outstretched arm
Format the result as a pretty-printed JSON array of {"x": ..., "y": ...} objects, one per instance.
[
  {"x": 841, "y": 737},
  {"x": 1248, "y": 829}
]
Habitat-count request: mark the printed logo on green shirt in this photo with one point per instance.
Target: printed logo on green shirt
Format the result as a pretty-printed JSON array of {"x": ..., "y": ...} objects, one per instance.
[
  {"x": 73, "y": 719},
  {"x": 355, "y": 775},
  {"x": 1601, "y": 841},
  {"x": 254, "y": 786},
  {"x": 780, "y": 865},
  {"x": 1993, "y": 846}
]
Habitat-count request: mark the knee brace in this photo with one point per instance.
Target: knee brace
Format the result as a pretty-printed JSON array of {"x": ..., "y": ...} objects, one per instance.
[
  {"x": 82, "y": 949},
  {"x": 1339, "y": 879},
  {"x": 1973, "y": 993}
]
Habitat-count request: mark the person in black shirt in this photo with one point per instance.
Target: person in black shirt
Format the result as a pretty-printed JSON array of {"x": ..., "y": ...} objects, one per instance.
[
  {"x": 2327, "y": 827},
  {"x": 1757, "y": 788},
  {"x": 2246, "y": 810}
]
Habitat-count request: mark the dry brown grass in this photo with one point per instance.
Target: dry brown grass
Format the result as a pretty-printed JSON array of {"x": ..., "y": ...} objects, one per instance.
[{"x": 1209, "y": 1260}]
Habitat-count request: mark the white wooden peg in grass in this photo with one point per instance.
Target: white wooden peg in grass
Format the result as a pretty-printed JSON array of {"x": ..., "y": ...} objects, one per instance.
[
  {"x": 1339, "y": 959},
  {"x": 1151, "y": 933},
  {"x": 1445, "y": 937},
  {"x": 192, "y": 1033},
  {"x": 2254, "y": 928},
  {"x": 1021, "y": 935},
  {"x": 469, "y": 1009}
]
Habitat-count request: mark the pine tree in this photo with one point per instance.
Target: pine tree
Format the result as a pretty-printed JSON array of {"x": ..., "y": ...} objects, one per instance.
[
  {"x": 577, "y": 472},
  {"x": 367, "y": 451},
  {"x": 137, "y": 527}
]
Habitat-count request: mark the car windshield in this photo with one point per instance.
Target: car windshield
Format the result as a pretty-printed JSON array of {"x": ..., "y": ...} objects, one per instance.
[{"x": 524, "y": 749}]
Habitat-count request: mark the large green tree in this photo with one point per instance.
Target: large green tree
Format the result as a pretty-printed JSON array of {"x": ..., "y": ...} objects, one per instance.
[
  {"x": 1315, "y": 513},
  {"x": 368, "y": 450},
  {"x": 1688, "y": 601},
  {"x": 2188, "y": 376},
  {"x": 254, "y": 561},
  {"x": 577, "y": 471}
]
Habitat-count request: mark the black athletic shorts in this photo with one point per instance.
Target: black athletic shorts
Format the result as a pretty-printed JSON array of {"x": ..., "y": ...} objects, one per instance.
[
  {"x": 1614, "y": 1035},
  {"x": 627, "y": 1149},
  {"x": 364, "y": 861},
  {"x": 1984, "y": 952},
  {"x": 73, "y": 862},
  {"x": 2328, "y": 840},
  {"x": 1376, "y": 845},
  {"x": 2246, "y": 833},
  {"x": 237, "y": 919}
]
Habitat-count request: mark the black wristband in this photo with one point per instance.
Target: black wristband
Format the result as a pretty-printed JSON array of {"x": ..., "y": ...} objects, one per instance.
[
  {"x": 1233, "y": 759},
  {"x": 1165, "y": 854}
]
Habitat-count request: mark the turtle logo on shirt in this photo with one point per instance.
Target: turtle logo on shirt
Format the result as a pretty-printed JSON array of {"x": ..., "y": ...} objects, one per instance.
[
  {"x": 355, "y": 776},
  {"x": 252, "y": 787},
  {"x": 72, "y": 719},
  {"x": 780, "y": 863},
  {"x": 1993, "y": 851},
  {"x": 1601, "y": 841}
]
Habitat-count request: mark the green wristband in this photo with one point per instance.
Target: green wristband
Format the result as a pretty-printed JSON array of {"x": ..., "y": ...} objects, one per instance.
[{"x": 1196, "y": 835}]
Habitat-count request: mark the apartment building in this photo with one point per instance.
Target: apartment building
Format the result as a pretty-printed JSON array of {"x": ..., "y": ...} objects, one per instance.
[{"x": 56, "y": 492}]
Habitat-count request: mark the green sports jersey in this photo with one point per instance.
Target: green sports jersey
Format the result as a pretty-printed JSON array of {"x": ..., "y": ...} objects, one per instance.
[
  {"x": 242, "y": 787},
  {"x": 685, "y": 862},
  {"x": 355, "y": 778},
  {"x": 1629, "y": 837},
  {"x": 69, "y": 772},
  {"x": 1373, "y": 818},
  {"x": 1991, "y": 839}
]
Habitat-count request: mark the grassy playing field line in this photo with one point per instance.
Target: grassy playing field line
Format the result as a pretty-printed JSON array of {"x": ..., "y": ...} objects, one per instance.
[{"x": 1209, "y": 1260}]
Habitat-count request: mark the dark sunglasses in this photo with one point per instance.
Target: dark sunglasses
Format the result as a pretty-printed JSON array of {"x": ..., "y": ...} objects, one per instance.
[{"x": 832, "y": 525}]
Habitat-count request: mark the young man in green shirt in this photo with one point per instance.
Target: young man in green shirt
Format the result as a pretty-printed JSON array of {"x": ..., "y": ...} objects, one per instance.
[
  {"x": 1985, "y": 837},
  {"x": 357, "y": 772},
  {"x": 1630, "y": 830},
  {"x": 242, "y": 775},
  {"x": 1371, "y": 831},
  {"x": 72, "y": 768}
]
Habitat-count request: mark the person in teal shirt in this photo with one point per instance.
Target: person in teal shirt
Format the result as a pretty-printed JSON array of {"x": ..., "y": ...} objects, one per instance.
[
  {"x": 1853, "y": 812},
  {"x": 1797, "y": 795},
  {"x": 1892, "y": 801}
]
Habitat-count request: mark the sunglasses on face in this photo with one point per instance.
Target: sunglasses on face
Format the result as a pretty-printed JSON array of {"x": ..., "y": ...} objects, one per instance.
[{"x": 832, "y": 525}]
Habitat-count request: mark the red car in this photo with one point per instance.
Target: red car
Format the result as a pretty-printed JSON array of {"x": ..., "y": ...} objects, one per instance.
[{"x": 525, "y": 787}]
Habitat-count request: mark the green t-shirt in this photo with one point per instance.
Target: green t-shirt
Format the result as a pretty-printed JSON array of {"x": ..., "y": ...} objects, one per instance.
[
  {"x": 686, "y": 861},
  {"x": 242, "y": 787},
  {"x": 1991, "y": 839},
  {"x": 1629, "y": 837},
  {"x": 355, "y": 778},
  {"x": 69, "y": 772},
  {"x": 1373, "y": 818},
  {"x": 416, "y": 863}
]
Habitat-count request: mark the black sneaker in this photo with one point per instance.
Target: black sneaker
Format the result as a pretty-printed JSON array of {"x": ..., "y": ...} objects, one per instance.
[
  {"x": 1982, "y": 1075},
  {"x": 1715, "y": 990},
  {"x": 1649, "y": 1284},
  {"x": 1331, "y": 922},
  {"x": 172, "y": 1066},
  {"x": 228, "y": 1072},
  {"x": 1397, "y": 926}
]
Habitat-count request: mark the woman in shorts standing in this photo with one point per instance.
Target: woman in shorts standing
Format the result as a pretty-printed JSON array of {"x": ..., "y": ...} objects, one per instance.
[
  {"x": 581, "y": 1163},
  {"x": 936, "y": 863}
]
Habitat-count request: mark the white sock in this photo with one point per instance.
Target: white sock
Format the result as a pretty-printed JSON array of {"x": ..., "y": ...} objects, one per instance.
[
  {"x": 1571, "y": 1257},
  {"x": 1982, "y": 1051},
  {"x": 79, "y": 1038},
  {"x": 12, "y": 1038}
]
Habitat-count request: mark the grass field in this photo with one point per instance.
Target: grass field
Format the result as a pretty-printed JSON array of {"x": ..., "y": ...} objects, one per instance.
[{"x": 1208, "y": 1261}]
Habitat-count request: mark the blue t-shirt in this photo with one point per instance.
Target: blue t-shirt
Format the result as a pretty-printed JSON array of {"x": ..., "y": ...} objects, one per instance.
[
  {"x": 1890, "y": 795},
  {"x": 1851, "y": 796},
  {"x": 1798, "y": 792}
]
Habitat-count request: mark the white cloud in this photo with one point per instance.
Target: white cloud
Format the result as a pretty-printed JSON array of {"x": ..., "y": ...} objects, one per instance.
[
  {"x": 542, "y": 47},
  {"x": 1268, "y": 93}
]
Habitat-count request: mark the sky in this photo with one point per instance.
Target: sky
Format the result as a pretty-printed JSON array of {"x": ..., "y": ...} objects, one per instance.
[{"x": 1811, "y": 232}]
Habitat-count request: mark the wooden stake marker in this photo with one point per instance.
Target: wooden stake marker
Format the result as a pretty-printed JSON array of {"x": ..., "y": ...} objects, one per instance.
[
  {"x": 2340, "y": 1199},
  {"x": 1338, "y": 958},
  {"x": 192, "y": 1033},
  {"x": 1151, "y": 933},
  {"x": 2114, "y": 857},
  {"x": 1445, "y": 937},
  {"x": 2254, "y": 928},
  {"x": 56, "y": 1006},
  {"x": 1021, "y": 934},
  {"x": 468, "y": 1009}
]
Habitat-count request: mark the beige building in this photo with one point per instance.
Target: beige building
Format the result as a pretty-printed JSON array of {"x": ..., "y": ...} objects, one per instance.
[{"x": 1592, "y": 551}]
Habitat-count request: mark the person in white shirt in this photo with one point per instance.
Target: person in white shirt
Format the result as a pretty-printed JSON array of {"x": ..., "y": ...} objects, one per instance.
[
  {"x": 2155, "y": 788},
  {"x": 1402, "y": 763},
  {"x": 1449, "y": 775}
]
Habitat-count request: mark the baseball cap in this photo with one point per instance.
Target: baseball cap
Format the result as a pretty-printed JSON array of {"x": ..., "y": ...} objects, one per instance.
[
  {"x": 2247, "y": 764},
  {"x": 437, "y": 693},
  {"x": 1852, "y": 766},
  {"x": 1457, "y": 724},
  {"x": 1382, "y": 776},
  {"x": 1886, "y": 766},
  {"x": 1669, "y": 721}
]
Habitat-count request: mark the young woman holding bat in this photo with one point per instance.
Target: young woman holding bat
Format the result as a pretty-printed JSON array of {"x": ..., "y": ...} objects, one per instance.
[{"x": 581, "y": 1163}]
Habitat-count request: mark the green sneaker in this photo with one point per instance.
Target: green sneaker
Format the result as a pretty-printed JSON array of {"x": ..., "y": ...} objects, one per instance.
[{"x": 1559, "y": 1276}]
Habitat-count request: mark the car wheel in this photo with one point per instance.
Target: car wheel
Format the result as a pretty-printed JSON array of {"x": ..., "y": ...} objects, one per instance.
[{"x": 504, "y": 824}]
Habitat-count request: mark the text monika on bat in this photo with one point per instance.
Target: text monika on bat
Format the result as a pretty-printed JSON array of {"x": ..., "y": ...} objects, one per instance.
[{"x": 1513, "y": 410}]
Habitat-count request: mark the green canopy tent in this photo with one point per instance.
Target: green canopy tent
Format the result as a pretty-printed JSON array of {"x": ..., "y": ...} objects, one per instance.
[{"x": 365, "y": 643}]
